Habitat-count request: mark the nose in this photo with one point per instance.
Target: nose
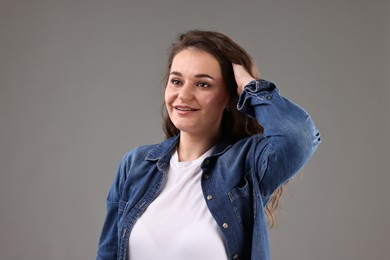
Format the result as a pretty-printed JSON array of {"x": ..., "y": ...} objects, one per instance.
[{"x": 186, "y": 92}]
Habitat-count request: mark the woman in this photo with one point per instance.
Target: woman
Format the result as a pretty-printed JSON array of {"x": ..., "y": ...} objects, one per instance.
[{"x": 209, "y": 190}]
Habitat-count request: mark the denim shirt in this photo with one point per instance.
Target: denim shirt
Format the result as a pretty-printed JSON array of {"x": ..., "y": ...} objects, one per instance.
[{"x": 239, "y": 175}]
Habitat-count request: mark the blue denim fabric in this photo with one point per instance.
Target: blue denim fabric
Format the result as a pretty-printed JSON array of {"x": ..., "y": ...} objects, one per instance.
[{"x": 240, "y": 176}]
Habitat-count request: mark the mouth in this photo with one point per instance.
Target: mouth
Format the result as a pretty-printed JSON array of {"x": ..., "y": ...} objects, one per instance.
[{"x": 185, "y": 108}]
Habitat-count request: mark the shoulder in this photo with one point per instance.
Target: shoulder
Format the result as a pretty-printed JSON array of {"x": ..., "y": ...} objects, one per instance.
[
  {"x": 138, "y": 153},
  {"x": 149, "y": 152},
  {"x": 242, "y": 148},
  {"x": 249, "y": 142}
]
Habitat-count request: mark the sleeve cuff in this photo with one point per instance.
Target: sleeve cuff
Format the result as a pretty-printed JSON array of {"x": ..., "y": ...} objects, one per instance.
[{"x": 260, "y": 90}]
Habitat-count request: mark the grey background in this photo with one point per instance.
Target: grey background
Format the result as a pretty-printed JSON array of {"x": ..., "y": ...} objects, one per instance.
[{"x": 80, "y": 84}]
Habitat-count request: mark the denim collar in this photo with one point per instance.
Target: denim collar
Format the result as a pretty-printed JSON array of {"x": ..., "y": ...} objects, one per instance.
[{"x": 166, "y": 148}]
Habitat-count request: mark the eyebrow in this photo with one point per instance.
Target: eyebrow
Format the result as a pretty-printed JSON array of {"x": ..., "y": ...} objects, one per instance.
[{"x": 201, "y": 75}]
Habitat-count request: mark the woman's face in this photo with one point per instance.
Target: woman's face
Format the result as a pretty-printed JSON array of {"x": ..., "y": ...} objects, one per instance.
[{"x": 196, "y": 95}]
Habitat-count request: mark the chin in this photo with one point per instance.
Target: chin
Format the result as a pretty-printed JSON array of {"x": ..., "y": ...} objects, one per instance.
[{"x": 186, "y": 129}]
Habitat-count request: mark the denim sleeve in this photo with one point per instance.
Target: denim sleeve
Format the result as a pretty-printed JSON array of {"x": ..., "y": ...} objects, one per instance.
[
  {"x": 290, "y": 134},
  {"x": 108, "y": 242}
]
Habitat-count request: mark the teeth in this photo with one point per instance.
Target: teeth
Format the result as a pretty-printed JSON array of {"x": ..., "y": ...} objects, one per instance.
[{"x": 184, "y": 108}]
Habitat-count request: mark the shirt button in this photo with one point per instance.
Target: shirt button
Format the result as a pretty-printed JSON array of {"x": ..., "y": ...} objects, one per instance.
[
  {"x": 225, "y": 225},
  {"x": 206, "y": 162},
  {"x": 209, "y": 197},
  {"x": 235, "y": 256}
]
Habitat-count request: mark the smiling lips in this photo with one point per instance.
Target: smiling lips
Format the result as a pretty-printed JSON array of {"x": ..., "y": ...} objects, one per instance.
[{"x": 185, "y": 108}]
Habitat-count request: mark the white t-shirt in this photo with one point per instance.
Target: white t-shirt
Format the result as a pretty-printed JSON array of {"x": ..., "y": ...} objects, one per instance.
[{"x": 178, "y": 225}]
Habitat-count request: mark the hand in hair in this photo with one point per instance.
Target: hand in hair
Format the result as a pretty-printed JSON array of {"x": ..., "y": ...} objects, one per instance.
[{"x": 242, "y": 77}]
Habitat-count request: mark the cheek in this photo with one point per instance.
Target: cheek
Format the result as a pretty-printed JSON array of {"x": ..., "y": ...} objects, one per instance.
[
  {"x": 218, "y": 102},
  {"x": 168, "y": 96}
]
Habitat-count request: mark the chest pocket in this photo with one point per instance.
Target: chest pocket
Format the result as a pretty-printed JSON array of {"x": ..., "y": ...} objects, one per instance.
[{"x": 242, "y": 199}]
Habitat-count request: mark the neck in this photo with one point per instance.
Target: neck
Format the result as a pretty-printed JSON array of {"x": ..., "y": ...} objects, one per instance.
[{"x": 191, "y": 147}]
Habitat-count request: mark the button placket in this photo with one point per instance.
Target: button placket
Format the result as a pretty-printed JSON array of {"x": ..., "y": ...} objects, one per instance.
[{"x": 206, "y": 162}]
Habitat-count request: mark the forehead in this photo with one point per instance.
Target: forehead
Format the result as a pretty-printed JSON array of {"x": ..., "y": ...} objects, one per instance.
[{"x": 195, "y": 59}]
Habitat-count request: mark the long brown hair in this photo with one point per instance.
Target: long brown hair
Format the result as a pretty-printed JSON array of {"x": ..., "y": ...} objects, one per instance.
[{"x": 235, "y": 124}]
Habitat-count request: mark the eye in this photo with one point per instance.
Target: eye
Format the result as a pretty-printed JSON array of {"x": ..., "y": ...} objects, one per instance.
[
  {"x": 175, "y": 82},
  {"x": 203, "y": 84}
]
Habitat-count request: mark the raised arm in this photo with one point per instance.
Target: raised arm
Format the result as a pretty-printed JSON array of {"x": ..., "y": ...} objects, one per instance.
[{"x": 290, "y": 136}]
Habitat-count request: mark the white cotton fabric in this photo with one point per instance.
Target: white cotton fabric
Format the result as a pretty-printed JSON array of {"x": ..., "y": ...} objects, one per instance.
[{"x": 178, "y": 225}]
